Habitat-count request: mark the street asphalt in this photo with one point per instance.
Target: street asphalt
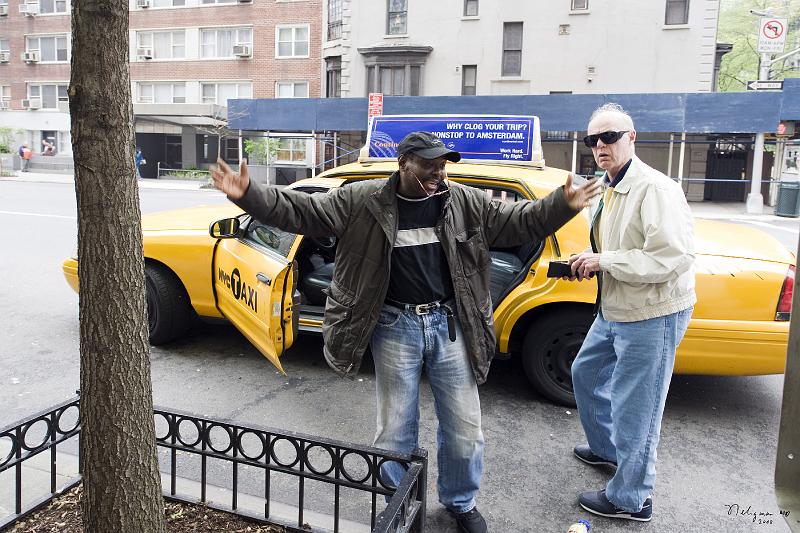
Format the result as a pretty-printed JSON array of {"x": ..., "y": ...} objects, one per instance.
[{"x": 718, "y": 440}]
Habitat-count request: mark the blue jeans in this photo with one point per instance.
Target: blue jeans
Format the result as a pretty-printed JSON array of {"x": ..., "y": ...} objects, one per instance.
[
  {"x": 621, "y": 376},
  {"x": 403, "y": 344}
]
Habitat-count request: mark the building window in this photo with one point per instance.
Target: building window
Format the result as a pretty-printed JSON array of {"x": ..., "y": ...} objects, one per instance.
[
  {"x": 51, "y": 48},
  {"x": 512, "y": 48},
  {"x": 219, "y": 1},
  {"x": 168, "y": 3},
  {"x": 391, "y": 80},
  {"x": 469, "y": 76},
  {"x": 219, "y": 42},
  {"x": 50, "y": 94},
  {"x": 163, "y": 44},
  {"x": 5, "y": 93},
  {"x": 334, "y": 19},
  {"x": 291, "y": 89},
  {"x": 64, "y": 142},
  {"x": 231, "y": 149},
  {"x": 397, "y": 20},
  {"x": 333, "y": 81},
  {"x": 580, "y": 5},
  {"x": 292, "y": 150},
  {"x": 53, "y": 6},
  {"x": 161, "y": 93},
  {"x": 291, "y": 41},
  {"x": 470, "y": 8},
  {"x": 4, "y": 46},
  {"x": 220, "y": 93},
  {"x": 677, "y": 12}
]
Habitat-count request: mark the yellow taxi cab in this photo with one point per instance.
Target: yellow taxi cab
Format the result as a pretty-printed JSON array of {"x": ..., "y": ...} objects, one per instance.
[{"x": 217, "y": 262}]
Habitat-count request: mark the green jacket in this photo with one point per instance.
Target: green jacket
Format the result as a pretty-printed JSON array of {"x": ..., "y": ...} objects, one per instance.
[{"x": 363, "y": 216}]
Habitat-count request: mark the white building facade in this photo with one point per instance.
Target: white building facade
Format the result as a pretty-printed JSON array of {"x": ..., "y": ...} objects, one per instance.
[{"x": 503, "y": 47}]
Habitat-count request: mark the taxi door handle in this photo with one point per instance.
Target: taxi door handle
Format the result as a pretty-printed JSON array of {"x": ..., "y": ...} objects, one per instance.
[{"x": 263, "y": 278}]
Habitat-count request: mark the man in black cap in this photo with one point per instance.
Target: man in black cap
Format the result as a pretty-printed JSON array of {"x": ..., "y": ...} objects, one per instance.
[{"x": 412, "y": 281}]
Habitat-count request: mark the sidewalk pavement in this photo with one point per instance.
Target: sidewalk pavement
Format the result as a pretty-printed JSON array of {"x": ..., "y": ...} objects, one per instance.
[
  {"x": 40, "y": 177},
  {"x": 710, "y": 210}
]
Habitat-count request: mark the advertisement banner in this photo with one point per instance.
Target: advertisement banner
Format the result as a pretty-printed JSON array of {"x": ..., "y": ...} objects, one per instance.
[{"x": 479, "y": 138}]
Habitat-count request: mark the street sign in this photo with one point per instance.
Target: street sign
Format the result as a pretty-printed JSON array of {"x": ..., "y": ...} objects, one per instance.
[
  {"x": 771, "y": 35},
  {"x": 375, "y": 108},
  {"x": 765, "y": 85}
]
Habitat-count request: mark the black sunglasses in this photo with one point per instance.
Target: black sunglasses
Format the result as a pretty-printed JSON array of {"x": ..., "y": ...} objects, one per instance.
[{"x": 608, "y": 137}]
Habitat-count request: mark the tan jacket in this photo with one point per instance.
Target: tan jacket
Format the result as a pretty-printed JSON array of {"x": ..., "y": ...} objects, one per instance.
[{"x": 646, "y": 247}]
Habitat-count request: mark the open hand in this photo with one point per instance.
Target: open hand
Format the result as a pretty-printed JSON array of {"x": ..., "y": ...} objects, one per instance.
[
  {"x": 578, "y": 197},
  {"x": 234, "y": 184}
]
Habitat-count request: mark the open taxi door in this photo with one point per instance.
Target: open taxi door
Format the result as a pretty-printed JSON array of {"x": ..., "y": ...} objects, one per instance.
[{"x": 254, "y": 284}]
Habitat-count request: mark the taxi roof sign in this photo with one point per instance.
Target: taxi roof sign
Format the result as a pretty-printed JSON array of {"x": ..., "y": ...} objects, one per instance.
[{"x": 492, "y": 139}]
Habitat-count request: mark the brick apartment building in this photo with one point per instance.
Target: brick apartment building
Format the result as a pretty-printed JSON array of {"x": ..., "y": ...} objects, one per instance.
[{"x": 187, "y": 57}]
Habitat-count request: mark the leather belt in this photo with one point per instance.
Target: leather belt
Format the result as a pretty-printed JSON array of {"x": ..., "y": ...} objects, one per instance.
[
  {"x": 420, "y": 309},
  {"x": 424, "y": 309}
]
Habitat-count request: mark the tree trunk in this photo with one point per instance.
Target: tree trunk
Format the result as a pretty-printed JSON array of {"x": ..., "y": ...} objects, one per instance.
[{"x": 122, "y": 487}]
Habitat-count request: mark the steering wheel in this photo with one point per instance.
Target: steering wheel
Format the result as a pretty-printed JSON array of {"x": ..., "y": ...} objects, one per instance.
[{"x": 327, "y": 243}]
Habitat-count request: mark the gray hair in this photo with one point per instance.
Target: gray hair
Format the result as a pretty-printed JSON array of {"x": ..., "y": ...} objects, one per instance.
[{"x": 611, "y": 107}]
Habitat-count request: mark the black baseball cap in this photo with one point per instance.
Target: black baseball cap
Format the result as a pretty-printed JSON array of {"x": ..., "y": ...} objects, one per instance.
[{"x": 427, "y": 146}]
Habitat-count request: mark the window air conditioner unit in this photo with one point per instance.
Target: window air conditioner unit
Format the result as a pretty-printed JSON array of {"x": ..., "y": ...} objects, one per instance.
[
  {"x": 4, "y": 106},
  {"x": 242, "y": 50},
  {"x": 144, "y": 53},
  {"x": 31, "y": 56},
  {"x": 142, "y": 4},
  {"x": 63, "y": 107},
  {"x": 29, "y": 9},
  {"x": 5, "y": 57},
  {"x": 32, "y": 103},
  {"x": 3, "y": 10}
]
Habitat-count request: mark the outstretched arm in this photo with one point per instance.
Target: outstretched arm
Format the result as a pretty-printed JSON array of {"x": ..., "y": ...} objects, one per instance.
[
  {"x": 510, "y": 224},
  {"x": 319, "y": 214}
]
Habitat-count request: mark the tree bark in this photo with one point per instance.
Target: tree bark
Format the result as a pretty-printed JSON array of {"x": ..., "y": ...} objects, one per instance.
[{"x": 122, "y": 487}]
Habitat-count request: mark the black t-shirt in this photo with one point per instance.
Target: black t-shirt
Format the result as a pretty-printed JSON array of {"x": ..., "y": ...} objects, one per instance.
[{"x": 420, "y": 273}]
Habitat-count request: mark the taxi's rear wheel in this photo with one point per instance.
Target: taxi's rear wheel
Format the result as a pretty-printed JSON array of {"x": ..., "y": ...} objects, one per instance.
[
  {"x": 169, "y": 314},
  {"x": 550, "y": 347}
]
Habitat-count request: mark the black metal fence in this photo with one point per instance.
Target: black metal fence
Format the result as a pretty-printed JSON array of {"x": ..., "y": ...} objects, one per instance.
[{"x": 273, "y": 452}]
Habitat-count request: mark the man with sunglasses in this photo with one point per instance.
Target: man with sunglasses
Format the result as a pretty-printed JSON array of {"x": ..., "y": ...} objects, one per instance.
[
  {"x": 412, "y": 281},
  {"x": 643, "y": 256}
]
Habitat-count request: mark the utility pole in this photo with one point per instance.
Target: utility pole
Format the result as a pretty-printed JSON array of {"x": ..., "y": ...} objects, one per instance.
[{"x": 755, "y": 200}]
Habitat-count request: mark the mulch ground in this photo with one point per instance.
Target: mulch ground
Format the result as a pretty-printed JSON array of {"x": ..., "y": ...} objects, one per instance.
[{"x": 63, "y": 515}]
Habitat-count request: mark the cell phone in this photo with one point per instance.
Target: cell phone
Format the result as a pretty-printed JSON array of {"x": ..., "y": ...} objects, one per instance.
[{"x": 559, "y": 269}]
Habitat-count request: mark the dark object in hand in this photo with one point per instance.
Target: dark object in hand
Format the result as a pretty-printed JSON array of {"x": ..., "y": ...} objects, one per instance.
[
  {"x": 559, "y": 269},
  {"x": 562, "y": 269}
]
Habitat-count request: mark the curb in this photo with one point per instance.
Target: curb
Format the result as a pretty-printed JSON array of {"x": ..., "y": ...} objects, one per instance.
[{"x": 183, "y": 185}]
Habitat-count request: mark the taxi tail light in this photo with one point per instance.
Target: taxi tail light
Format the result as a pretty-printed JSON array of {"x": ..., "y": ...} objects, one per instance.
[{"x": 785, "y": 302}]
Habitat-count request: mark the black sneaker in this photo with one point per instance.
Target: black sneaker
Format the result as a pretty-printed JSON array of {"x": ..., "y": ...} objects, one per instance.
[
  {"x": 585, "y": 454},
  {"x": 596, "y": 503},
  {"x": 471, "y": 522}
]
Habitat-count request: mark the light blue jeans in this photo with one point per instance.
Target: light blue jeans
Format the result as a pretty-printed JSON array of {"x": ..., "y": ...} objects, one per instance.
[
  {"x": 621, "y": 376},
  {"x": 403, "y": 345}
]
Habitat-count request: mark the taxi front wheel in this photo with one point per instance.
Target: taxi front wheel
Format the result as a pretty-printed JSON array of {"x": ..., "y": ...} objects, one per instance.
[
  {"x": 169, "y": 314},
  {"x": 550, "y": 346}
]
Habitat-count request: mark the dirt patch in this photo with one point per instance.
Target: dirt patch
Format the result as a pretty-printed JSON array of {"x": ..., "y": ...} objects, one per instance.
[{"x": 63, "y": 515}]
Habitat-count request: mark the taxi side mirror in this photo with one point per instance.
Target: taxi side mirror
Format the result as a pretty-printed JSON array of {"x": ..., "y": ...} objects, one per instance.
[{"x": 225, "y": 228}]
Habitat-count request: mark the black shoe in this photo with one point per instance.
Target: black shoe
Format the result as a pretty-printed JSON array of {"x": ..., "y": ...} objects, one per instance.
[
  {"x": 471, "y": 522},
  {"x": 585, "y": 454},
  {"x": 596, "y": 503}
]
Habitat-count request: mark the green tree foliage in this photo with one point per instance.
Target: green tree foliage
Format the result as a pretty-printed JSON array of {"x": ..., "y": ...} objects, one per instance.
[
  {"x": 737, "y": 26},
  {"x": 261, "y": 150},
  {"x": 7, "y": 138}
]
